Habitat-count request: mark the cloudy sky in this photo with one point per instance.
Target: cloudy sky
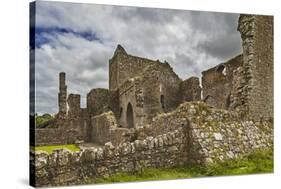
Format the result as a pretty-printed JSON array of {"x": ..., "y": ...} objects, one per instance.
[{"x": 80, "y": 38}]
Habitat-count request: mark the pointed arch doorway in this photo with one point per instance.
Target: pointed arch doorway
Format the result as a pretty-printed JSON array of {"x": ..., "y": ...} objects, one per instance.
[{"x": 130, "y": 116}]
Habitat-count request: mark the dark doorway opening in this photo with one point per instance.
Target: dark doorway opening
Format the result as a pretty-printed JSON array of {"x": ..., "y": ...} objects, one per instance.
[
  {"x": 130, "y": 116},
  {"x": 162, "y": 102}
]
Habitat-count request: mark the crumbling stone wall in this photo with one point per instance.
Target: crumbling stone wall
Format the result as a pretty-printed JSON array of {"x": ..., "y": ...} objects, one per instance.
[
  {"x": 50, "y": 136},
  {"x": 114, "y": 102},
  {"x": 217, "y": 83},
  {"x": 63, "y": 167},
  {"x": 123, "y": 66},
  {"x": 160, "y": 90},
  {"x": 219, "y": 135},
  {"x": 73, "y": 102},
  {"x": 56, "y": 136},
  {"x": 253, "y": 96},
  {"x": 190, "y": 89},
  {"x": 127, "y": 99},
  {"x": 101, "y": 126},
  {"x": 154, "y": 91},
  {"x": 97, "y": 101},
  {"x": 215, "y": 135}
]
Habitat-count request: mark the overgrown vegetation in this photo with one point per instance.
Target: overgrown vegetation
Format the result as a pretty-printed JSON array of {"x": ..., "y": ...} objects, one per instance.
[
  {"x": 41, "y": 121},
  {"x": 50, "y": 149},
  {"x": 256, "y": 162}
]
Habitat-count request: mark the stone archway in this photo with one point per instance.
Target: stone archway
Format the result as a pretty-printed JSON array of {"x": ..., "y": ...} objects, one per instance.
[{"x": 130, "y": 116}]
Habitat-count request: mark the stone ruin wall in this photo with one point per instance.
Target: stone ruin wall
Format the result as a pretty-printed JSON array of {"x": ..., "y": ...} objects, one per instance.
[
  {"x": 127, "y": 98},
  {"x": 160, "y": 90},
  {"x": 69, "y": 132},
  {"x": 217, "y": 83},
  {"x": 104, "y": 129},
  {"x": 64, "y": 167},
  {"x": 68, "y": 127},
  {"x": 123, "y": 66},
  {"x": 253, "y": 96},
  {"x": 190, "y": 90},
  {"x": 191, "y": 139},
  {"x": 144, "y": 93},
  {"x": 98, "y": 101},
  {"x": 214, "y": 134}
]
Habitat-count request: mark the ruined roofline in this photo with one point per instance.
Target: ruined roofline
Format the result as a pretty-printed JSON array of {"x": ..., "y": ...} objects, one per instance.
[
  {"x": 120, "y": 50},
  {"x": 165, "y": 65},
  {"x": 223, "y": 63},
  {"x": 192, "y": 77},
  {"x": 94, "y": 89}
]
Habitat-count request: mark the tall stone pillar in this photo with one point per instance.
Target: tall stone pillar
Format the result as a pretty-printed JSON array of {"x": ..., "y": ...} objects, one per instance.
[
  {"x": 256, "y": 86},
  {"x": 62, "y": 96}
]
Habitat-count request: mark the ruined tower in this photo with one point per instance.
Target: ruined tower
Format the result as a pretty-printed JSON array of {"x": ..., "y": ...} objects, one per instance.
[
  {"x": 62, "y": 96},
  {"x": 254, "y": 80}
]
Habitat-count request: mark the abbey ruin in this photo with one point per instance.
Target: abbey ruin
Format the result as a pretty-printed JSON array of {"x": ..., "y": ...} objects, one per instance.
[{"x": 149, "y": 117}]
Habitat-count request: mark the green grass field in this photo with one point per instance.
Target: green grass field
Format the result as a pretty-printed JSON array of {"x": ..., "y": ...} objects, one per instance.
[
  {"x": 257, "y": 162},
  {"x": 50, "y": 149}
]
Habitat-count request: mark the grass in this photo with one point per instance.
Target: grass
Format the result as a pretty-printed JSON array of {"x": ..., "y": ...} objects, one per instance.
[
  {"x": 50, "y": 149},
  {"x": 257, "y": 162}
]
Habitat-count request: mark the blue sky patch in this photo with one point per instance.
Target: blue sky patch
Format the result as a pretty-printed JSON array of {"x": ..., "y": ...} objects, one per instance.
[{"x": 42, "y": 39}]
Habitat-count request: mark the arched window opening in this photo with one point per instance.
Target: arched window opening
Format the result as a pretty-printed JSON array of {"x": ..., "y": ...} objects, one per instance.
[
  {"x": 130, "y": 116},
  {"x": 162, "y": 101}
]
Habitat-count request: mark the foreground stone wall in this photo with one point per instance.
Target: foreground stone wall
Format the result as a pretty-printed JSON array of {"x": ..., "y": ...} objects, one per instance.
[
  {"x": 214, "y": 134},
  {"x": 194, "y": 133},
  {"x": 219, "y": 135},
  {"x": 63, "y": 167}
]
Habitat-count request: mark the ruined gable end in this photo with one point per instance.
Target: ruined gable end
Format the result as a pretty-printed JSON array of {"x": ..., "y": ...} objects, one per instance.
[
  {"x": 190, "y": 89},
  {"x": 97, "y": 101},
  {"x": 217, "y": 83}
]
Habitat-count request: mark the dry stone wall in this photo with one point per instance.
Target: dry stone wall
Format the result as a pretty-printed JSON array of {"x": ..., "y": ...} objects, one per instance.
[
  {"x": 214, "y": 134},
  {"x": 219, "y": 135},
  {"x": 63, "y": 167},
  {"x": 199, "y": 135}
]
